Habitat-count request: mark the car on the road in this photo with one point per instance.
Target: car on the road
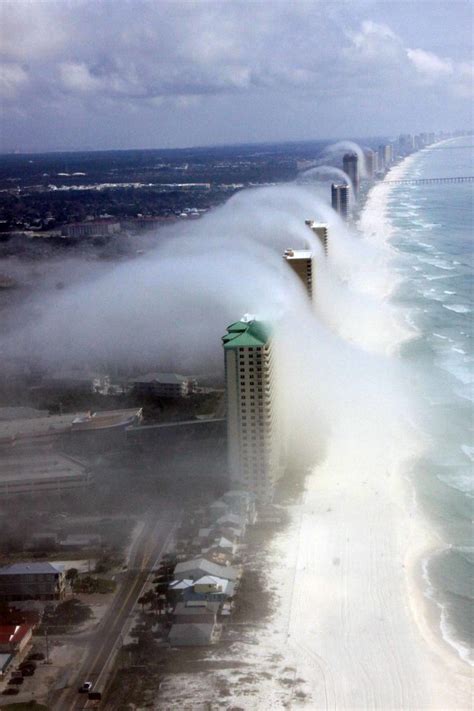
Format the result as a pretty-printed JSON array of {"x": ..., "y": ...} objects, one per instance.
[{"x": 85, "y": 688}]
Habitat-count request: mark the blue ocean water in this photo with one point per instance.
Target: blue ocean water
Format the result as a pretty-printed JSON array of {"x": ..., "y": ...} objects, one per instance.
[{"x": 433, "y": 238}]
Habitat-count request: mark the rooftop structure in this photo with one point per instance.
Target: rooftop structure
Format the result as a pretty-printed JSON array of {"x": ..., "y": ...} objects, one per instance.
[{"x": 252, "y": 430}]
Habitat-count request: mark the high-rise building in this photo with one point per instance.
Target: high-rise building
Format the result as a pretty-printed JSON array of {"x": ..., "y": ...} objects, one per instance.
[
  {"x": 370, "y": 162},
  {"x": 350, "y": 166},
  {"x": 381, "y": 157},
  {"x": 252, "y": 424},
  {"x": 301, "y": 262},
  {"x": 340, "y": 199},
  {"x": 320, "y": 229},
  {"x": 388, "y": 154}
]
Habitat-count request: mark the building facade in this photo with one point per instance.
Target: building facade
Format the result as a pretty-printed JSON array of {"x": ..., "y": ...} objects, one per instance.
[
  {"x": 320, "y": 229},
  {"x": 32, "y": 581},
  {"x": 350, "y": 166},
  {"x": 340, "y": 199},
  {"x": 252, "y": 429},
  {"x": 300, "y": 262}
]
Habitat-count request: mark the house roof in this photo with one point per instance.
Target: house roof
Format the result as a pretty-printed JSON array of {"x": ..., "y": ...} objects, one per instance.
[
  {"x": 247, "y": 334},
  {"x": 31, "y": 569},
  {"x": 196, "y": 608},
  {"x": 13, "y": 634},
  {"x": 205, "y": 567}
]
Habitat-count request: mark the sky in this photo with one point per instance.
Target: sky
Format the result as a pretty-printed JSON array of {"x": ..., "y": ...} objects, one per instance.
[{"x": 117, "y": 74}]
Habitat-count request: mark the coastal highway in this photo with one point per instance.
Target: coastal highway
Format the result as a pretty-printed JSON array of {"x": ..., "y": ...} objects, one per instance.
[{"x": 148, "y": 547}]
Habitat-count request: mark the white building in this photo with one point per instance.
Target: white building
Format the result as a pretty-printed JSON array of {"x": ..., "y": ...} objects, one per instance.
[
  {"x": 300, "y": 262},
  {"x": 252, "y": 430}
]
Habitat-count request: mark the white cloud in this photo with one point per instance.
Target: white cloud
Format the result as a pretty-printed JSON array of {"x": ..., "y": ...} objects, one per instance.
[
  {"x": 429, "y": 64},
  {"x": 12, "y": 78}
]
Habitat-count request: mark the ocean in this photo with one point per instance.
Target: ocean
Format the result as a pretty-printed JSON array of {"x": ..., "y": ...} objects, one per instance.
[{"x": 432, "y": 237}]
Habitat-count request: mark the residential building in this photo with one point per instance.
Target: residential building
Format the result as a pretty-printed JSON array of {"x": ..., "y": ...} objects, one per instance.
[
  {"x": 300, "y": 262},
  {"x": 340, "y": 199},
  {"x": 32, "y": 581},
  {"x": 195, "y": 624},
  {"x": 169, "y": 385},
  {"x": 102, "y": 228},
  {"x": 370, "y": 162},
  {"x": 253, "y": 437},
  {"x": 350, "y": 166},
  {"x": 198, "y": 567}
]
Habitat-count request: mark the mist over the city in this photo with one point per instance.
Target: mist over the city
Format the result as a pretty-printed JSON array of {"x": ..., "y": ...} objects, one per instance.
[{"x": 236, "y": 355}]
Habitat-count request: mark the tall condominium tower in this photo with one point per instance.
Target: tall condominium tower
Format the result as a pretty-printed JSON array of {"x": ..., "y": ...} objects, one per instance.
[
  {"x": 370, "y": 162},
  {"x": 320, "y": 229},
  {"x": 301, "y": 262},
  {"x": 340, "y": 199},
  {"x": 252, "y": 431},
  {"x": 350, "y": 166}
]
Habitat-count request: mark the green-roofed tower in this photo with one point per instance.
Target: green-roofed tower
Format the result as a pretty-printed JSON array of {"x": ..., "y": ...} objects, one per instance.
[{"x": 253, "y": 442}]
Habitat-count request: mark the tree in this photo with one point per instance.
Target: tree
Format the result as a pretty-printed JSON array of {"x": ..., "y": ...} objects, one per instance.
[{"x": 71, "y": 576}]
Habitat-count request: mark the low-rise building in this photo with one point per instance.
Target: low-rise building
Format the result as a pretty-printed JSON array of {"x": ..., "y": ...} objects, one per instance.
[
  {"x": 32, "y": 581},
  {"x": 31, "y": 471},
  {"x": 168, "y": 385}
]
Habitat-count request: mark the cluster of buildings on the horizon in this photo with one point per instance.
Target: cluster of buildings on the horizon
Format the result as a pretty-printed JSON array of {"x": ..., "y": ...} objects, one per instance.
[{"x": 376, "y": 164}]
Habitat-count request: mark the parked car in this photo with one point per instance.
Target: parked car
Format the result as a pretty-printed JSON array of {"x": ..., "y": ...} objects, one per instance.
[
  {"x": 35, "y": 656},
  {"x": 85, "y": 688},
  {"x": 27, "y": 665},
  {"x": 10, "y": 691},
  {"x": 95, "y": 695},
  {"x": 16, "y": 680}
]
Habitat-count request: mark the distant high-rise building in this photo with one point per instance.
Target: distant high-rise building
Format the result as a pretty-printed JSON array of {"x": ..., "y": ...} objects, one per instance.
[
  {"x": 350, "y": 166},
  {"x": 388, "y": 149},
  {"x": 253, "y": 435},
  {"x": 340, "y": 199},
  {"x": 370, "y": 162},
  {"x": 320, "y": 229},
  {"x": 381, "y": 157},
  {"x": 301, "y": 262}
]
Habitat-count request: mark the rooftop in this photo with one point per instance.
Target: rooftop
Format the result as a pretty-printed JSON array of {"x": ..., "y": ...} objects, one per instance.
[
  {"x": 31, "y": 569},
  {"x": 247, "y": 334},
  {"x": 290, "y": 254},
  {"x": 26, "y": 427}
]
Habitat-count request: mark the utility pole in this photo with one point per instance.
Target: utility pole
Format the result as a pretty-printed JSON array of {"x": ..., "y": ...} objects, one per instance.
[{"x": 47, "y": 644}]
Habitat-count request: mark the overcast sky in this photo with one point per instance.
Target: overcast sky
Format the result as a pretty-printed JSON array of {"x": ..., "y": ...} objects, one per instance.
[{"x": 92, "y": 74}]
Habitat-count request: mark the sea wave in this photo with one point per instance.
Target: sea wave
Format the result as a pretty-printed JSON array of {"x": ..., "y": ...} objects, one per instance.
[{"x": 458, "y": 308}]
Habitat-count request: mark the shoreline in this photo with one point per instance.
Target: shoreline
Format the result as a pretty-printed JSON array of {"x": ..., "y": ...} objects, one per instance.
[
  {"x": 360, "y": 626},
  {"x": 431, "y": 620}
]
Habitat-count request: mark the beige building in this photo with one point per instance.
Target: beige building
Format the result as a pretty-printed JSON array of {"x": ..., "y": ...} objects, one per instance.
[
  {"x": 301, "y": 262},
  {"x": 252, "y": 426},
  {"x": 320, "y": 229}
]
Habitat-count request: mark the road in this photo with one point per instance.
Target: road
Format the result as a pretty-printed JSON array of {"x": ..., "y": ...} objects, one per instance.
[{"x": 150, "y": 544}]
